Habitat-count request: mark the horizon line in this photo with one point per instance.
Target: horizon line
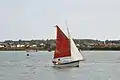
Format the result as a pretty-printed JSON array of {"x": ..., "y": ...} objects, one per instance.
[{"x": 54, "y": 38}]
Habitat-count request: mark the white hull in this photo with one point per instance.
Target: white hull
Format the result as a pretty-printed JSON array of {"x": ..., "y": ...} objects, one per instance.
[{"x": 69, "y": 64}]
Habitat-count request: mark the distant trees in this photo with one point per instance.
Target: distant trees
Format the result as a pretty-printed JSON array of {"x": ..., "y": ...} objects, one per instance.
[{"x": 50, "y": 44}]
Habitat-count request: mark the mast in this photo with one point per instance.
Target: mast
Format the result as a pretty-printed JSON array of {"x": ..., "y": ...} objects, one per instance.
[{"x": 67, "y": 30}]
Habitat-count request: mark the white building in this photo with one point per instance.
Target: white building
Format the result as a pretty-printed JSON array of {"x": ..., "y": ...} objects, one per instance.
[
  {"x": 2, "y": 46},
  {"x": 20, "y": 45}
]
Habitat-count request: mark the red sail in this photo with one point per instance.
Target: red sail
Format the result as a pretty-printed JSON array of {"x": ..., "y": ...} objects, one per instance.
[{"x": 62, "y": 45}]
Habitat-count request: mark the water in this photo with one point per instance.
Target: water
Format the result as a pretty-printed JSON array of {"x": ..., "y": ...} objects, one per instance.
[{"x": 99, "y": 65}]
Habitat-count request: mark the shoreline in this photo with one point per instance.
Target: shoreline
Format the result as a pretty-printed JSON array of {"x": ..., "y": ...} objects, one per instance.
[{"x": 53, "y": 50}]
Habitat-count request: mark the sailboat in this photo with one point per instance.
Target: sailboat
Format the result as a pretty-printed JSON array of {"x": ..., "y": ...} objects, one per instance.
[{"x": 66, "y": 52}]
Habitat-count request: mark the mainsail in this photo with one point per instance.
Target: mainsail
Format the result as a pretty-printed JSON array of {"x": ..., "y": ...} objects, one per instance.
[{"x": 62, "y": 45}]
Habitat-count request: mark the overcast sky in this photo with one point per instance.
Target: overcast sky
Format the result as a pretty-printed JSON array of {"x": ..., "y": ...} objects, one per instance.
[{"x": 34, "y": 19}]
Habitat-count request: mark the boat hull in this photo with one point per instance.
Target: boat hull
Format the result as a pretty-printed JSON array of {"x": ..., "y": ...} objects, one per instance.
[{"x": 68, "y": 64}]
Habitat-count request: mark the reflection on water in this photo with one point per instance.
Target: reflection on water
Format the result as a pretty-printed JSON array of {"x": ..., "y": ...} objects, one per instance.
[{"x": 99, "y": 65}]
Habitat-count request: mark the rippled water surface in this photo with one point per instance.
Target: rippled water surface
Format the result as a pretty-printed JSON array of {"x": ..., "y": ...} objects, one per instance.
[{"x": 99, "y": 65}]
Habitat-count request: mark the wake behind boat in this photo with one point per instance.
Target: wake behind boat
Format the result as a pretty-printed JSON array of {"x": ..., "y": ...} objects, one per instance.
[{"x": 66, "y": 52}]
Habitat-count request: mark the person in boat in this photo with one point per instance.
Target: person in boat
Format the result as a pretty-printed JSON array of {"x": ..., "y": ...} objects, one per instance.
[{"x": 57, "y": 62}]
